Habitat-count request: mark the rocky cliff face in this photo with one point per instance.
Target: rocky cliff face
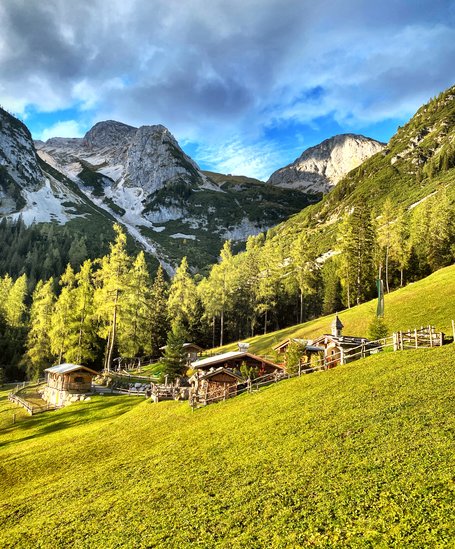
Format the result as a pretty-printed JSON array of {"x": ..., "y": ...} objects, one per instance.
[
  {"x": 319, "y": 168},
  {"x": 17, "y": 154}
]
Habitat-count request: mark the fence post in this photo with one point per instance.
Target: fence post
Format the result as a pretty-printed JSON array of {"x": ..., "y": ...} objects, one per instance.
[
  {"x": 453, "y": 330},
  {"x": 431, "y": 336},
  {"x": 415, "y": 335}
]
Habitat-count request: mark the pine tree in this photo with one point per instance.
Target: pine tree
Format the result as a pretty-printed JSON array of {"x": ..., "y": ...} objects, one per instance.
[{"x": 39, "y": 355}]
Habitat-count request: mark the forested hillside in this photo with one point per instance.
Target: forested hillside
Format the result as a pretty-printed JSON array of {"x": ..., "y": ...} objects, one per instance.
[{"x": 391, "y": 218}]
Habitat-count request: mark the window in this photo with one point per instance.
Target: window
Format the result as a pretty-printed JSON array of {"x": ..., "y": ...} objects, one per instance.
[{"x": 78, "y": 379}]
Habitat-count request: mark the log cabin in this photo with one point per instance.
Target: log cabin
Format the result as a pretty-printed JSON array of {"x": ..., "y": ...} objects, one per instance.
[{"x": 66, "y": 383}]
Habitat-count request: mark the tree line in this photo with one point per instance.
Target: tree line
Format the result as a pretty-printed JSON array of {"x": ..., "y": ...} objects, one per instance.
[{"x": 112, "y": 307}]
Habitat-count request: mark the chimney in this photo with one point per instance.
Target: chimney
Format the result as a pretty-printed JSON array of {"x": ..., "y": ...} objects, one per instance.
[{"x": 337, "y": 326}]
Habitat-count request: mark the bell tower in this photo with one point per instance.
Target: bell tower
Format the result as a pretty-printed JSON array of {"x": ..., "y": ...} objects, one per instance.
[{"x": 337, "y": 326}]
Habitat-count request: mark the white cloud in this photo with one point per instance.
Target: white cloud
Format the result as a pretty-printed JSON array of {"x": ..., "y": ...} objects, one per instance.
[{"x": 67, "y": 128}]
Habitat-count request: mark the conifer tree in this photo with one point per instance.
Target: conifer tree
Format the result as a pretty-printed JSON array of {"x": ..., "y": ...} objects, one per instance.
[
  {"x": 157, "y": 319},
  {"x": 356, "y": 244},
  {"x": 304, "y": 268},
  {"x": 39, "y": 355},
  {"x": 6, "y": 284},
  {"x": 215, "y": 291},
  {"x": 182, "y": 297},
  {"x": 63, "y": 316},
  {"x": 132, "y": 328},
  {"x": 174, "y": 360},
  {"x": 83, "y": 340},
  {"x": 111, "y": 285},
  {"x": 400, "y": 249},
  {"x": 15, "y": 306},
  {"x": 384, "y": 237},
  {"x": 441, "y": 236}
]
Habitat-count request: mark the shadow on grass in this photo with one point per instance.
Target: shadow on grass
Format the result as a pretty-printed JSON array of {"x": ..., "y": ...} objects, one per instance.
[{"x": 52, "y": 421}]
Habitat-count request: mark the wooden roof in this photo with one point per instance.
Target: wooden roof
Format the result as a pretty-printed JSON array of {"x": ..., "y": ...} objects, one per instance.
[
  {"x": 226, "y": 357},
  {"x": 68, "y": 368}
]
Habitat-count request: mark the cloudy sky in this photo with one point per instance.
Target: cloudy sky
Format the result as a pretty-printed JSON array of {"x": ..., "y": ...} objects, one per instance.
[{"x": 244, "y": 85}]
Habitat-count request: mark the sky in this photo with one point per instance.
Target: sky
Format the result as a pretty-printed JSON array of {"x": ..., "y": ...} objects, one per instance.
[{"x": 244, "y": 85}]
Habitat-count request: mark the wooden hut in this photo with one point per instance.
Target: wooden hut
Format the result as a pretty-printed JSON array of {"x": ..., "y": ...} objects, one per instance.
[
  {"x": 213, "y": 385},
  {"x": 66, "y": 383},
  {"x": 339, "y": 349},
  {"x": 233, "y": 361}
]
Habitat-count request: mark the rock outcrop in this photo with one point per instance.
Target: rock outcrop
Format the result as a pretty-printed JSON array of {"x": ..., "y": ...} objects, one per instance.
[{"x": 319, "y": 168}]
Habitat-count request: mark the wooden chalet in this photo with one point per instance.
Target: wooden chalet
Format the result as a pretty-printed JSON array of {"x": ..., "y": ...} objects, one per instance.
[
  {"x": 339, "y": 349},
  {"x": 67, "y": 382},
  {"x": 232, "y": 361},
  {"x": 213, "y": 385}
]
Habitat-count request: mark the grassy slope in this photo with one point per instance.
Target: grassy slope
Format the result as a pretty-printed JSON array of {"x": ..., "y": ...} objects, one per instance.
[
  {"x": 428, "y": 301},
  {"x": 359, "y": 456}
]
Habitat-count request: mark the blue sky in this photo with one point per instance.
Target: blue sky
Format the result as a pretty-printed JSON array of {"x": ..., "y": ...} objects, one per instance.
[{"x": 244, "y": 85}]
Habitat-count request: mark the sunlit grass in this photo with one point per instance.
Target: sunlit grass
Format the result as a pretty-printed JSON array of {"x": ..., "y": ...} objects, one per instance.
[{"x": 359, "y": 456}]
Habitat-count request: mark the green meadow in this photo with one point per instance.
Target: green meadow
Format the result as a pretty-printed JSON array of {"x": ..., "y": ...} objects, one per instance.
[{"x": 359, "y": 456}]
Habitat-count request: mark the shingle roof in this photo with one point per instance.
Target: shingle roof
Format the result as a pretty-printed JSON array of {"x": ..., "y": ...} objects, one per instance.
[
  {"x": 224, "y": 357},
  {"x": 67, "y": 368}
]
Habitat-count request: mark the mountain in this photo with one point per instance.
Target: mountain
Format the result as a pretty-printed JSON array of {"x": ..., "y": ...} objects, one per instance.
[
  {"x": 320, "y": 168},
  {"x": 142, "y": 178}
]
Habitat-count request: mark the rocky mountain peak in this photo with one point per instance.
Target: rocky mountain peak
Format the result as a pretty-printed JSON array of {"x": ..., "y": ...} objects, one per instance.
[
  {"x": 108, "y": 134},
  {"x": 319, "y": 168},
  {"x": 17, "y": 154}
]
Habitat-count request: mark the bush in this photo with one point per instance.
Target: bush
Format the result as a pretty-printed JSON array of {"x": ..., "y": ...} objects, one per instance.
[{"x": 378, "y": 329}]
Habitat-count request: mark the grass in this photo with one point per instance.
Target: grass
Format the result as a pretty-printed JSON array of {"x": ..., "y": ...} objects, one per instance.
[
  {"x": 359, "y": 456},
  {"x": 428, "y": 301}
]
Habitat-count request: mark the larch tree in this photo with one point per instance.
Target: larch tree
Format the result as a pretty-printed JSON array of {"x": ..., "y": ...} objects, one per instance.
[
  {"x": 441, "y": 232},
  {"x": 83, "y": 340},
  {"x": 174, "y": 359},
  {"x": 62, "y": 318},
  {"x": 157, "y": 318},
  {"x": 132, "y": 327},
  {"x": 215, "y": 291},
  {"x": 182, "y": 297},
  {"x": 400, "y": 248},
  {"x": 385, "y": 236},
  {"x": 15, "y": 307},
  {"x": 356, "y": 244},
  {"x": 111, "y": 285},
  {"x": 304, "y": 268},
  {"x": 39, "y": 355}
]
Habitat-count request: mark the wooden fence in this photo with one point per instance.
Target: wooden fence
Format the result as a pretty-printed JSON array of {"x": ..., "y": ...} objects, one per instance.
[{"x": 412, "y": 339}]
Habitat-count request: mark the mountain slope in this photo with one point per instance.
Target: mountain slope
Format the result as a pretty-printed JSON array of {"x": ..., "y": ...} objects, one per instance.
[
  {"x": 362, "y": 454},
  {"x": 430, "y": 301},
  {"x": 320, "y": 168},
  {"x": 143, "y": 177}
]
